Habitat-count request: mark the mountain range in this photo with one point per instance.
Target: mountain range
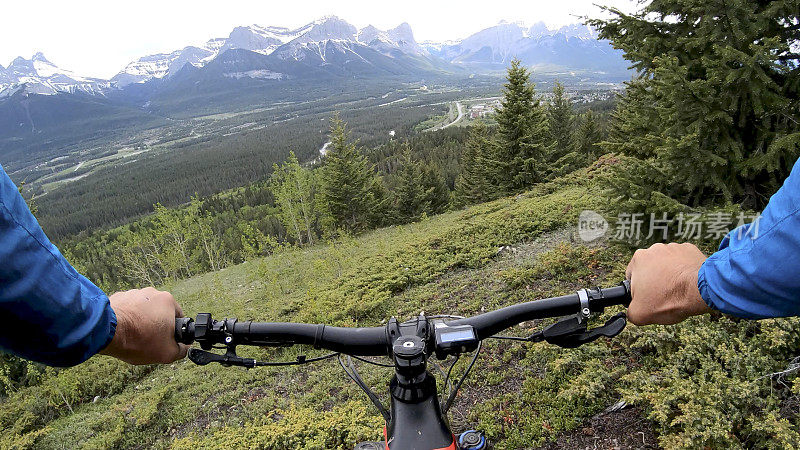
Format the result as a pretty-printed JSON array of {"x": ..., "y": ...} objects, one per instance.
[{"x": 324, "y": 49}]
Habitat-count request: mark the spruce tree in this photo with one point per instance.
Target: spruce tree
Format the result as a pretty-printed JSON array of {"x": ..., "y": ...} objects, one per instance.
[
  {"x": 473, "y": 184},
  {"x": 351, "y": 195},
  {"x": 521, "y": 150},
  {"x": 439, "y": 196},
  {"x": 716, "y": 103},
  {"x": 561, "y": 121},
  {"x": 588, "y": 138},
  {"x": 412, "y": 196}
]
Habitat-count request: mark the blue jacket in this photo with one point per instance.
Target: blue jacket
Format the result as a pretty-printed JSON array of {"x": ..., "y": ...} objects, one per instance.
[
  {"x": 50, "y": 313},
  {"x": 755, "y": 274}
]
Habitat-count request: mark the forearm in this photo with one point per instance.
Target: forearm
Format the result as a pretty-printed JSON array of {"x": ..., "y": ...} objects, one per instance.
[
  {"x": 52, "y": 314},
  {"x": 756, "y": 272},
  {"x": 755, "y": 279}
]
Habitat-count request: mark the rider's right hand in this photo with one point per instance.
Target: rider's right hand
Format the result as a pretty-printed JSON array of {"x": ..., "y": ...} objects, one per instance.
[
  {"x": 664, "y": 284},
  {"x": 145, "y": 327}
]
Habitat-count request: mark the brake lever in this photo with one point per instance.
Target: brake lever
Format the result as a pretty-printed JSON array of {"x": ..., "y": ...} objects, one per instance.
[
  {"x": 202, "y": 357},
  {"x": 573, "y": 332}
]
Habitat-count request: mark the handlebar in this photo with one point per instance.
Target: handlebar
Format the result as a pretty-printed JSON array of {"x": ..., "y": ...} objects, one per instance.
[
  {"x": 493, "y": 322},
  {"x": 377, "y": 341}
]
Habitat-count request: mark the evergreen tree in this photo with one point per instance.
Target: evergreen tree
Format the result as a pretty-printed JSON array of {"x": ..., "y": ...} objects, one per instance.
[
  {"x": 716, "y": 104},
  {"x": 351, "y": 195},
  {"x": 473, "y": 184},
  {"x": 439, "y": 194},
  {"x": 521, "y": 150},
  {"x": 412, "y": 195},
  {"x": 561, "y": 121},
  {"x": 588, "y": 138}
]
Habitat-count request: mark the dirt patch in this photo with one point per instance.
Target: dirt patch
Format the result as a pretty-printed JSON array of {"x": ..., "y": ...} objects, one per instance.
[{"x": 624, "y": 429}]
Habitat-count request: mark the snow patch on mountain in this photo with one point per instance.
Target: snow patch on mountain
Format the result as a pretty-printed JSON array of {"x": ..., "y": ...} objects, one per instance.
[
  {"x": 40, "y": 76},
  {"x": 398, "y": 38}
]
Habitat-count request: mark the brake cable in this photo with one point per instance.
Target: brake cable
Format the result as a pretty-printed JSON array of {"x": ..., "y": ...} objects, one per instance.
[
  {"x": 374, "y": 363},
  {"x": 535, "y": 337},
  {"x": 360, "y": 382},
  {"x": 453, "y": 394},
  {"x": 202, "y": 357}
]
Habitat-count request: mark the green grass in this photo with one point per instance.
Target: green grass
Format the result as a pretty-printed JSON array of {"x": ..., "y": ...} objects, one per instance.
[{"x": 520, "y": 395}]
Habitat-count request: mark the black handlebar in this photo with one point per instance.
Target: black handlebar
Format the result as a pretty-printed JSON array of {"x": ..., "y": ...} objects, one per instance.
[
  {"x": 377, "y": 341},
  {"x": 354, "y": 341},
  {"x": 493, "y": 322}
]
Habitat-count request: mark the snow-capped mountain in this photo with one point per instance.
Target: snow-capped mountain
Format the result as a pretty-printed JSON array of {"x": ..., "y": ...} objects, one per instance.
[
  {"x": 311, "y": 41},
  {"x": 329, "y": 47},
  {"x": 163, "y": 64},
  {"x": 5, "y": 79},
  {"x": 399, "y": 38},
  {"x": 569, "y": 48},
  {"x": 39, "y": 76}
]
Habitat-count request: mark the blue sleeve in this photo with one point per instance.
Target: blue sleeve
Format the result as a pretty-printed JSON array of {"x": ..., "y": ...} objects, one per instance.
[
  {"x": 755, "y": 274},
  {"x": 51, "y": 314}
]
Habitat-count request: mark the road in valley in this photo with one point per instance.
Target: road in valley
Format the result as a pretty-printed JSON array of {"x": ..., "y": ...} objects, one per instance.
[{"x": 460, "y": 116}]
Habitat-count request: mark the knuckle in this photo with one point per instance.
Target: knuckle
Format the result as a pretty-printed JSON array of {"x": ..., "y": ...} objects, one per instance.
[{"x": 633, "y": 317}]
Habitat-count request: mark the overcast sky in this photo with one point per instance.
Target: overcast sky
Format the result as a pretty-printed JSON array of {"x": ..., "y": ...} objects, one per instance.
[{"x": 98, "y": 38}]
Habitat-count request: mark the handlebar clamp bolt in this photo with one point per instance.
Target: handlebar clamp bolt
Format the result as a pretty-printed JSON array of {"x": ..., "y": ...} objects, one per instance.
[{"x": 583, "y": 296}]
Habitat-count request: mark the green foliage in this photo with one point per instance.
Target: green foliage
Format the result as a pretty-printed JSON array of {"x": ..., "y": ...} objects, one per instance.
[
  {"x": 474, "y": 184},
  {"x": 439, "y": 196},
  {"x": 351, "y": 195},
  {"x": 413, "y": 196},
  {"x": 717, "y": 98},
  {"x": 638, "y": 186},
  {"x": 61, "y": 392},
  {"x": 173, "y": 244},
  {"x": 441, "y": 149},
  {"x": 296, "y": 428},
  {"x": 294, "y": 188},
  {"x": 707, "y": 384},
  {"x": 16, "y": 373},
  {"x": 585, "y": 146},
  {"x": 588, "y": 137},
  {"x": 560, "y": 122},
  {"x": 521, "y": 143}
]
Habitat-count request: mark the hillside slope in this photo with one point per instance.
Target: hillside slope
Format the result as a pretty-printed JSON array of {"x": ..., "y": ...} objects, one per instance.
[{"x": 700, "y": 382}]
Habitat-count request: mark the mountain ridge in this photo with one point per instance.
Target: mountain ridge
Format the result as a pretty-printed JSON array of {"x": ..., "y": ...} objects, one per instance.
[{"x": 568, "y": 48}]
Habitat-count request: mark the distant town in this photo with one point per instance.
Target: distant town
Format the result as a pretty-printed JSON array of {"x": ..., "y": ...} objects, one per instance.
[{"x": 487, "y": 106}]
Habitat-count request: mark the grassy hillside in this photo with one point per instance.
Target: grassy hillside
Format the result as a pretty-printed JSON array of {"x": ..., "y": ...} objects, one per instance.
[{"x": 697, "y": 384}]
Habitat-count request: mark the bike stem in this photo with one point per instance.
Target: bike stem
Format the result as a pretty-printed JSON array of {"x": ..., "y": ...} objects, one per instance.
[{"x": 416, "y": 419}]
